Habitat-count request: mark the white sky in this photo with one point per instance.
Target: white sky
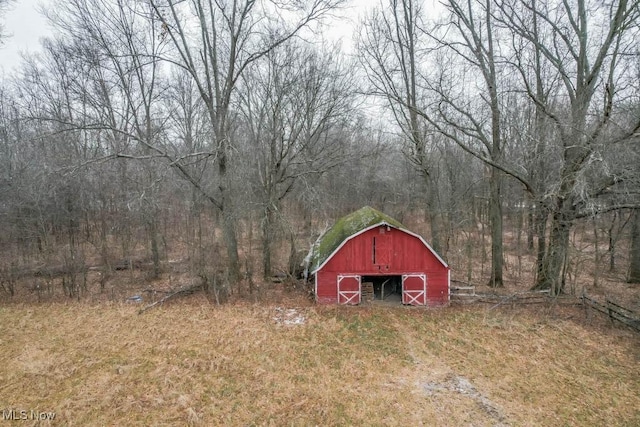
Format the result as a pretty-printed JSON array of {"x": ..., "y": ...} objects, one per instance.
[{"x": 25, "y": 26}]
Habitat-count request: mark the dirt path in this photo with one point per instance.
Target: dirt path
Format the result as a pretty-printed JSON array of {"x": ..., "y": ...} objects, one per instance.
[{"x": 456, "y": 397}]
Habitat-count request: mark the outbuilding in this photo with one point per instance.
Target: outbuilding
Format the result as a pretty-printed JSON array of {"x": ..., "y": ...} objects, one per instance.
[{"x": 369, "y": 255}]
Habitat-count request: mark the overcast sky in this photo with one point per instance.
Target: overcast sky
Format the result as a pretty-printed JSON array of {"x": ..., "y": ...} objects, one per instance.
[{"x": 26, "y": 26}]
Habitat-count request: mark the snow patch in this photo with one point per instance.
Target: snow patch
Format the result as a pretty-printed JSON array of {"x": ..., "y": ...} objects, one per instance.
[{"x": 289, "y": 316}]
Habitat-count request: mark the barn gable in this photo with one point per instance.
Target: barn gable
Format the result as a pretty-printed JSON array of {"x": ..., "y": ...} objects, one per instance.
[{"x": 349, "y": 227}]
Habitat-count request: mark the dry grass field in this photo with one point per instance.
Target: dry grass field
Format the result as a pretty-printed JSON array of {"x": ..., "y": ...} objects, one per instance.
[{"x": 193, "y": 363}]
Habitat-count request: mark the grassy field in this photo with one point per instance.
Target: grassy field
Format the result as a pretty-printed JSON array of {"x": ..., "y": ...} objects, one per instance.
[{"x": 192, "y": 363}]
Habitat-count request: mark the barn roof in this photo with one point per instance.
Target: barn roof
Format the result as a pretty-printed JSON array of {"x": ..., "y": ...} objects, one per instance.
[{"x": 345, "y": 227}]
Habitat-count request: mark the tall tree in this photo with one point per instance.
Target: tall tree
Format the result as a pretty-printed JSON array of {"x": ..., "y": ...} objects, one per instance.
[
  {"x": 570, "y": 60},
  {"x": 229, "y": 36},
  {"x": 634, "y": 262},
  {"x": 587, "y": 45},
  {"x": 392, "y": 52},
  {"x": 118, "y": 46},
  {"x": 473, "y": 24},
  {"x": 460, "y": 94},
  {"x": 297, "y": 102}
]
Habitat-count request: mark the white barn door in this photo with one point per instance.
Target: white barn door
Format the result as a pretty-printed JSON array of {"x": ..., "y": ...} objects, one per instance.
[
  {"x": 349, "y": 289},
  {"x": 414, "y": 289}
]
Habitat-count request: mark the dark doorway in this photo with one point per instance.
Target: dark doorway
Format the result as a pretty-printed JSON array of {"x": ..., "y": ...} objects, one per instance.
[{"x": 385, "y": 288}]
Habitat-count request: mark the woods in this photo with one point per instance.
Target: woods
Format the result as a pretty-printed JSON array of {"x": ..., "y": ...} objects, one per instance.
[{"x": 149, "y": 128}]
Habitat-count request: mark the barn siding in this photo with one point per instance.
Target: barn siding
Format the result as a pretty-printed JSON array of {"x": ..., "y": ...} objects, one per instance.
[
  {"x": 438, "y": 288},
  {"x": 327, "y": 289}
]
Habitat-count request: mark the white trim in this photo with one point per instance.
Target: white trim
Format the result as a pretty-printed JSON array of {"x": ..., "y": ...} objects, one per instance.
[
  {"x": 371, "y": 227},
  {"x": 414, "y": 294},
  {"x": 315, "y": 287},
  {"x": 448, "y": 286},
  {"x": 349, "y": 295}
]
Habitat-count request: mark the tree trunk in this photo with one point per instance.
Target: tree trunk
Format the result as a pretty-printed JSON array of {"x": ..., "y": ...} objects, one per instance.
[
  {"x": 551, "y": 275},
  {"x": 295, "y": 258},
  {"x": 435, "y": 229},
  {"x": 634, "y": 255},
  {"x": 155, "y": 252},
  {"x": 531, "y": 226},
  {"x": 231, "y": 243},
  {"x": 227, "y": 211},
  {"x": 612, "y": 240},
  {"x": 267, "y": 240},
  {"x": 432, "y": 212},
  {"x": 495, "y": 196},
  {"x": 495, "y": 218},
  {"x": 308, "y": 220},
  {"x": 596, "y": 258},
  {"x": 540, "y": 226}
]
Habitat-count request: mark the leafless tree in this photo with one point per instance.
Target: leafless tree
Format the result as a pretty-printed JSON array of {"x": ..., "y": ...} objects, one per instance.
[
  {"x": 117, "y": 45},
  {"x": 634, "y": 265},
  {"x": 475, "y": 43},
  {"x": 586, "y": 45},
  {"x": 296, "y": 102},
  {"x": 189, "y": 132},
  {"x": 571, "y": 60},
  {"x": 399, "y": 42},
  {"x": 394, "y": 54},
  {"x": 228, "y": 37}
]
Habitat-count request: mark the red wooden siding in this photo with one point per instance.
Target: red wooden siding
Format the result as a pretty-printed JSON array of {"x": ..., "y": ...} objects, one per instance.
[
  {"x": 438, "y": 288},
  {"x": 406, "y": 253}
]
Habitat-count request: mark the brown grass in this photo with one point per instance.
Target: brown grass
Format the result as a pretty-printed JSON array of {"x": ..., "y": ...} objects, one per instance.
[{"x": 191, "y": 363}]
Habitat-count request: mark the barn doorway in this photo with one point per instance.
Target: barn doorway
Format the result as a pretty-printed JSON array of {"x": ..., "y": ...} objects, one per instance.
[{"x": 384, "y": 288}]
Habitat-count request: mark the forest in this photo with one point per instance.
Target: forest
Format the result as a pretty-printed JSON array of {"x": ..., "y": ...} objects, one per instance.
[{"x": 225, "y": 136}]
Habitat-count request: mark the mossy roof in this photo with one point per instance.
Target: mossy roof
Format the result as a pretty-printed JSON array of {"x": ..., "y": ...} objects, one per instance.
[{"x": 344, "y": 228}]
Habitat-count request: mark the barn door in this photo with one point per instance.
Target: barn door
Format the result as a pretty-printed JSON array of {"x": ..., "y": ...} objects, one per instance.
[
  {"x": 414, "y": 289},
  {"x": 349, "y": 289}
]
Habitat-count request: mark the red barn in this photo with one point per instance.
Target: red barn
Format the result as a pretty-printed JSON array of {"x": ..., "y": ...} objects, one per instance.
[{"x": 369, "y": 247}]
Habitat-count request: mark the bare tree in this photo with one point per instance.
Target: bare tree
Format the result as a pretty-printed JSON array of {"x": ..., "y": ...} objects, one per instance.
[
  {"x": 296, "y": 101},
  {"x": 634, "y": 263},
  {"x": 586, "y": 45},
  {"x": 229, "y": 37},
  {"x": 475, "y": 43},
  {"x": 189, "y": 132},
  {"x": 118, "y": 47},
  {"x": 569, "y": 59},
  {"x": 398, "y": 42},
  {"x": 393, "y": 52}
]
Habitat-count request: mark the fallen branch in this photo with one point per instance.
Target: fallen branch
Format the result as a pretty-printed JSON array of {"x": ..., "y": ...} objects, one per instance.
[
  {"x": 157, "y": 291},
  {"x": 185, "y": 290}
]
